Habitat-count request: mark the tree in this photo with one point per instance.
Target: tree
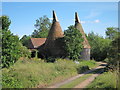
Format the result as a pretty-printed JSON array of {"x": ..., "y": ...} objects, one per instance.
[
  {"x": 99, "y": 46},
  {"x": 42, "y": 26},
  {"x": 114, "y": 52},
  {"x": 111, "y": 32},
  {"x": 25, "y": 40},
  {"x": 73, "y": 42},
  {"x": 11, "y": 48},
  {"x": 5, "y": 22}
]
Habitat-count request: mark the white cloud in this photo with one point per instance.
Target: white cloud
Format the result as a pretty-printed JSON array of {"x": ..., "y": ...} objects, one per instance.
[
  {"x": 92, "y": 14},
  {"x": 97, "y": 21},
  {"x": 94, "y": 21},
  {"x": 83, "y": 22}
]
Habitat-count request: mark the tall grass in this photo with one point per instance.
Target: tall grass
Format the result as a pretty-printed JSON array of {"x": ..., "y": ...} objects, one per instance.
[
  {"x": 37, "y": 73},
  {"x": 106, "y": 80}
]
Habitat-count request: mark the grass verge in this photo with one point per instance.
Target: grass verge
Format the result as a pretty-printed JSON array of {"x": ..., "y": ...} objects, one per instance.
[
  {"x": 106, "y": 80},
  {"x": 35, "y": 72},
  {"x": 75, "y": 82}
]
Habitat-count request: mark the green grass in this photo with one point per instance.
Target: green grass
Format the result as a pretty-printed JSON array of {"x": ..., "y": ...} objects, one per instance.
[
  {"x": 90, "y": 63},
  {"x": 105, "y": 80},
  {"x": 31, "y": 73},
  {"x": 75, "y": 82}
]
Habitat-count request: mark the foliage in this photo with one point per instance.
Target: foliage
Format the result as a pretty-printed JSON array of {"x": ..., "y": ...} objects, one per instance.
[
  {"x": 99, "y": 46},
  {"x": 114, "y": 52},
  {"x": 27, "y": 73},
  {"x": 73, "y": 42},
  {"x": 105, "y": 80},
  {"x": 50, "y": 59},
  {"x": 5, "y": 22},
  {"x": 12, "y": 50},
  {"x": 25, "y": 40},
  {"x": 112, "y": 32},
  {"x": 24, "y": 52},
  {"x": 42, "y": 26}
]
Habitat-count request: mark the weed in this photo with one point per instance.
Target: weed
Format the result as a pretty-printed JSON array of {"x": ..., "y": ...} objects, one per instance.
[{"x": 29, "y": 73}]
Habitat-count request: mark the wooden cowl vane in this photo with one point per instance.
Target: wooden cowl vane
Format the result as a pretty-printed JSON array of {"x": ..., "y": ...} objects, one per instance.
[
  {"x": 53, "y": 45},
  {"x": 85, "y": 54}
]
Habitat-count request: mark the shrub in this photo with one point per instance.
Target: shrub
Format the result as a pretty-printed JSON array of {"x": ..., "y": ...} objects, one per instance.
[
  {"x": 12, "y": 49},
  {"x": 73, "y": 42},
  {"x": 24, "y": 52},
  {"x": 82, "y": 69}
]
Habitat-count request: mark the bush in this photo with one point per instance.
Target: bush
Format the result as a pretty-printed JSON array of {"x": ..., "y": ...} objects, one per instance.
[
  {"x": 24, "y": 52},
  {"x": 73, "y": 42},
  {"x": 12, "y": 49},
  {"x": 82, "y": 69}
]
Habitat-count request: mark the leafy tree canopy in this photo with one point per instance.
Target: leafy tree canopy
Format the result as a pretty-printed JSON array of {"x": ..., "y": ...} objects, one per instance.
[
  {"x": 112, "y": 32},
  {"x": 11, "y": 48},
  {"x": 25, "y": 40},
  {"x": 5, "y": 22},
  {"x": 42, "y": 26},
  {"x": 99, "y": 46},
  {"x": 73, "y": 42},
  {"x": 114, "y": 52}
]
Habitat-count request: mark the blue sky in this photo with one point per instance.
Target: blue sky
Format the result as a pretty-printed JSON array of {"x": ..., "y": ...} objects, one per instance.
[{"x": 94, "y": 16}]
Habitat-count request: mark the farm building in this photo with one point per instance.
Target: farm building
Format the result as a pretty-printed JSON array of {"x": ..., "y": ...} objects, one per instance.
[{"x": 51, "y": 46}]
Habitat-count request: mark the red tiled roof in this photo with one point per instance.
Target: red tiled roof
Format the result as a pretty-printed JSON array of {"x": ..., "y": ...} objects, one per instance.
[{"x": 37, "y": 42}]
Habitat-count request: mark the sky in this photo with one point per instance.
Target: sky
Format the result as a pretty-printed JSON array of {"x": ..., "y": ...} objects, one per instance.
[
  {"x": 94, "y": 16},
  {"x": 60, "y": 0}
]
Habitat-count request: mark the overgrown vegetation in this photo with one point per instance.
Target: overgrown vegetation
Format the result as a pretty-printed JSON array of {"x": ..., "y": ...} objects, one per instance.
[
  {"x": 35, "y": 72},
  {"x": 106, "y": 80},
  {"x": 25, "y": 40},
  {"x": 114, "y": 53},
  {"x": 71, "y": 39},
  {"x": 111, "y": 53},
  {"x": 99, "y": 46},
  {"x": 12, "y": 50},
  {"x": 112, "y": 33}
]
